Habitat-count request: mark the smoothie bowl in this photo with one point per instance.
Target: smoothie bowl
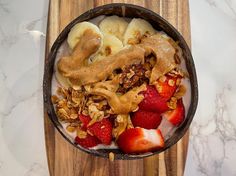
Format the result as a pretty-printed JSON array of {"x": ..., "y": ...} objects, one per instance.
[{"x": 120, "y": 81}]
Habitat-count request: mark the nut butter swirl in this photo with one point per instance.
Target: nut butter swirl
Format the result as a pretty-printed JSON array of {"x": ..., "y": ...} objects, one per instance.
[{"x": 77, "y": 69}]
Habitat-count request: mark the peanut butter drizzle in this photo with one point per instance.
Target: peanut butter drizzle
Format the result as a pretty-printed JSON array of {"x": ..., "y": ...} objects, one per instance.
[
  {"x": 164, "y": 52},
  {"x": 88, "y": 45},
  {"x": 122, "y": 104},
  {"x": 101, "y": 70},
  {"x": 122, "y": 122},
  {"x": 78, "y": 71}
]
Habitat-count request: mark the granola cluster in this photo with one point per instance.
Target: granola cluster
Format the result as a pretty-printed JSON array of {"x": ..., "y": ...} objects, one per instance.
[
  {"x": 69, "y": 103},
  {"x": 132, "y": 76}
]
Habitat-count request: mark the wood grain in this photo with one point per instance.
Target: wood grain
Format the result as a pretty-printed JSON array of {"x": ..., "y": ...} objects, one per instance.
[{"x": 63, "y": 158}]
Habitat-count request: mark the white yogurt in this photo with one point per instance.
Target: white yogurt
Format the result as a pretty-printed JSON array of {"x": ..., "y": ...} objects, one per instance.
[
  {"x": 186, "y": 83},
  {"x": 102, "y": 146}
]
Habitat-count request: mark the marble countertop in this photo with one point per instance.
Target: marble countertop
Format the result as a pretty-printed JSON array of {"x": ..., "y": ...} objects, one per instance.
[{"x": 212, "y": 148}]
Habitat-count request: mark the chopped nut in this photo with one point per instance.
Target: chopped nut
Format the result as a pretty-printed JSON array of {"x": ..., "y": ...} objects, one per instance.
[
  {"x": 138, "y": 34},
  {"x": 92, "y": 121},
  {"x": 162, "y": 79},
  {"x": 136, "y": 109},
  {"x": 62, "y": 114},
  {"x": 178, "y": 81},
  {"x": 75, "y": 123},
  {"x": 136, "y": 40},
  {"x": 77, "y": 97},
  {"x": 70, "y": 128},
  {"x": 89, "y": 133},
  {"x": 132, "y": 76},
  {"x": 97, "y": 97},
  {"x": 89, "y": 102},
  {"x": 94, "y": 113},
  {"x": 75, "y": 87},
  {"x": 122, "y": 122},
  {"x": 133, "y": 41},
  {"x": 172, "y": 75},
  {"x": 180, "y": 92},
  {"x": 81, "y": 134},
  {"x": 176, "y": 72},
  {"x": 171, "y": 82},
  {"x": 120, "y": 118},
  {"x": 108, "y": 51},
  {"x": 85, "y": 112},
  {"x": 102, "y": 104},
  {"x": 54, "y": 99},
  {"x": 174, "y": 99},
  {"x": 129, "y": 125},
  {"x": 62, "y": 92},
  {"x": 87, "y": 88},
  {"x": 148, "y": 73},
  {"x": 111, "y": 156},
  {"x": 158, "y": 87},
  {"x": 172, "y": 105},
  {"x": 62, "y": 103},
  {"x": 74, "y": 116}
]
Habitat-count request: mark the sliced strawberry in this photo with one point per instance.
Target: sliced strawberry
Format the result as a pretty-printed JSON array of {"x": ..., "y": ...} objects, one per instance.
[
  {"x": 176, "y": 116},
  {"x": 102, "y": 130},
  {"x": 167, "y": 88},
  {"x": 85, "y": 121},
  {"x": 153, "y": 101},
  {"x": 140, "y": 140},
  {"x": 146, "y": 119},
  {"x": 89, "y": 141}
]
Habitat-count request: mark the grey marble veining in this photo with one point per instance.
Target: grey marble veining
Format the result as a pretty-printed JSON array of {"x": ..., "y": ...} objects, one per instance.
[
  {"x": 22, "y": 43},
  {"x": 212, "y": 148}
]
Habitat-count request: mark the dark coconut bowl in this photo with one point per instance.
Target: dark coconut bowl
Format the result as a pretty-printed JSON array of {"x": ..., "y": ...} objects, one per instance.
[{"x": 130, "y": 11}]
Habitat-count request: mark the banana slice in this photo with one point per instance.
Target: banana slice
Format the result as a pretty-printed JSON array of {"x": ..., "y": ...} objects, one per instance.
[
  {"x": 111, "y": 45},
  {"x": 63, "y": 81},
  {"x": 77, "y": 31},
  {"x": 136, "y": 29},
  {"x": 114, "y": 25}
]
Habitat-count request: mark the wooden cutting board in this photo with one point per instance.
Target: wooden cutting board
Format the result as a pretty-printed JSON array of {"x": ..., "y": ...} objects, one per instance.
[{"x": 66, "y": 160}]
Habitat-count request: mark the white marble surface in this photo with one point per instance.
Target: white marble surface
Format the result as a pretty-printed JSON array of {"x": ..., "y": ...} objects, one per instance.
[
  {"x": 22, "y": 38},
  {"x": 212, "y": 149}
]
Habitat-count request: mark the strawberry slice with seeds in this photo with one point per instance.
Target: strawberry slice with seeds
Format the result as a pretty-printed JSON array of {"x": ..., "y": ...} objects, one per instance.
[
  {"x": 146, "y": 119},
  {"x": 85, "y": 121},
  {"x": 102, "y": 130},
  {"x": 167, "y": 87},
  {"x": 89, "y": 141},
  {"x": 176, "y": 116},
  {"x": 153, "y": 101},
  {"x": 140, "y": 140}
]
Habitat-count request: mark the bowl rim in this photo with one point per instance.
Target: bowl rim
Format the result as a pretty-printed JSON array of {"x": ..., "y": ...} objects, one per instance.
[{"x": 48, "y": 73}]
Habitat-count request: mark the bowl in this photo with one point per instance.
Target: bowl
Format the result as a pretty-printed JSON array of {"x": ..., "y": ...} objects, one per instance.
[{"x": 159, "y": 23}]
